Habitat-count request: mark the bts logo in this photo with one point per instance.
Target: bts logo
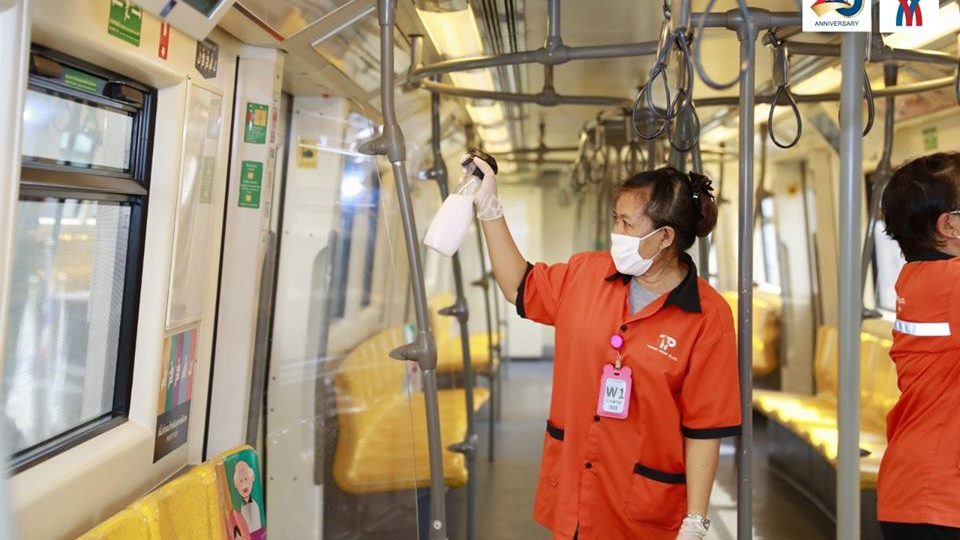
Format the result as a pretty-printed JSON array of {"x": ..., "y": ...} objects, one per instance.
[
  {"x": 908, "y": 15},
  {"x": 836, "y": 16}
]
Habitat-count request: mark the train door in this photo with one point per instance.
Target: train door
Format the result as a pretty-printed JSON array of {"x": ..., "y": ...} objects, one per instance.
[{"x": 344, "y": 448}]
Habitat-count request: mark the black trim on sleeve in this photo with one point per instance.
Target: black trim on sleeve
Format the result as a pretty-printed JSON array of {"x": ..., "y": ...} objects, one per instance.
[
  {"x": 554, "y": 431},
  {"x": 659, "y": 476},
  {"x": 523, "y": 282},
  {"x": 711, "y": 433}
]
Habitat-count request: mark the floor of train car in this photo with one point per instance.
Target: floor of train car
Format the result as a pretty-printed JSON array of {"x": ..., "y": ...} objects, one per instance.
[{"x": 505, "y": 489}]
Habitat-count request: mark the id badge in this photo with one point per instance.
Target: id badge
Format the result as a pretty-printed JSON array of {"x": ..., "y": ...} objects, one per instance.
[{"x": 615, "y": 387}]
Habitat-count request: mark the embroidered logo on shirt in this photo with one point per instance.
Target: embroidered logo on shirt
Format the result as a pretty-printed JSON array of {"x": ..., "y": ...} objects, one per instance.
[{"x": 666, "y": 343}]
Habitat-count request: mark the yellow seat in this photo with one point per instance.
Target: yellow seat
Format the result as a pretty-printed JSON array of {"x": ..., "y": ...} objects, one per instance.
[
  {"x": 814, "y": 418},
  {"x": 450, "y": 354},
  {"x": 187, "y": 507},
  {"x": 126, "y": 524},
  {"x": 766, "y": 329},
  {"x": 382, "y": 439},
  {"x": 441, "y": 325}
]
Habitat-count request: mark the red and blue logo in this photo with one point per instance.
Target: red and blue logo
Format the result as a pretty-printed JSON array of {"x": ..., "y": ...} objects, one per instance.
[
  {"x": 909, "y": 14},
  {"x": 846, "y": 8}
]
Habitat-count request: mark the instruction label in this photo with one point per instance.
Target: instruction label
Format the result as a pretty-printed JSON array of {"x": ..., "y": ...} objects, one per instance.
[
  {"x": 79, "y": 80},
  {"x": 126, "y": 20},
  {"x": 251, "y": 179},
  {"x": 206, "y": 180},
  {"x": 255, "y": 125},
  {"x": 930, "y": 141}
]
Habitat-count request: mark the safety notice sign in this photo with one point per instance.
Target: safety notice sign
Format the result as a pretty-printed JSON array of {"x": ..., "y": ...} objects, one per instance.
[
  {"x": 126, "y": 19},
  {"x": 255, "y": 124},
  {"x": 251, "y": 178}
]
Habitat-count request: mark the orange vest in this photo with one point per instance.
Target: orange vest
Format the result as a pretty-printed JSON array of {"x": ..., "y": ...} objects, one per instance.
[
  {"x": 919, "y": 480},
  {"x": 625, "y": 479}
]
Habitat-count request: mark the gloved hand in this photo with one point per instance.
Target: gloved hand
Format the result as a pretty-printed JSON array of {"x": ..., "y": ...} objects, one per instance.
[
  {"x": 485, "y": 199},
  {"x": 691, "y": 529}
]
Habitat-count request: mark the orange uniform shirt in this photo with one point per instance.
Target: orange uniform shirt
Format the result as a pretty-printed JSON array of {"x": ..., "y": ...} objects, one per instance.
[
  {"x": 919, "y": 479},
  {"x": 619, "y": 479}
]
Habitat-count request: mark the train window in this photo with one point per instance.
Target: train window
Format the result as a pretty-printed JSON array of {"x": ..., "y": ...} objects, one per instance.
[
  {"x": 71, "y": 323},
  {"x": 769, "y": 243},
  {"x": 887, "y": 262},
  {"x": 359, "y": 197},
  {"x": 61, "y": 130}
]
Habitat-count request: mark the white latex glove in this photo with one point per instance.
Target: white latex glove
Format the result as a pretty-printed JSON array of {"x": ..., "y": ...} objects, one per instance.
[
  {"x": 485, "y": 199},
  {"x": 691, "y": 529}
]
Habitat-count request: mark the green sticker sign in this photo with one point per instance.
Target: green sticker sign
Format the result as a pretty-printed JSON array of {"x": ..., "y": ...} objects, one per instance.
[
  {"x": 79, "y": 80},
  {"x": 255, "y": 125},
  {"x": 930, "y": 141},
  {"x": 251, "y": 178},
  {"x": 206, "y": 180},
  {"x": 126, "y": 19}
]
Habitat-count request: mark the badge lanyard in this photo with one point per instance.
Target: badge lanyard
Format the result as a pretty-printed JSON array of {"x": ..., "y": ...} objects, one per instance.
[{"x": 615, "y": 385}]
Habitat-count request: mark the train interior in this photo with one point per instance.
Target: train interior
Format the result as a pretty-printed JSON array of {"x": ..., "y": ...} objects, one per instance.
[{"x": 213, "y": 286}]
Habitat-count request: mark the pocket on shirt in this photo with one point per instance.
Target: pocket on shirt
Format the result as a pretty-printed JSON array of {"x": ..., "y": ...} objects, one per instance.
[
  {"x": 657, "y": 498},
  {"x": 552, "y": 451}
]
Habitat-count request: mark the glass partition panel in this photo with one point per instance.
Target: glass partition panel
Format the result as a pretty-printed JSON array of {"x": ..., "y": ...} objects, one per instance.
[{"x": 345, "y": 441}]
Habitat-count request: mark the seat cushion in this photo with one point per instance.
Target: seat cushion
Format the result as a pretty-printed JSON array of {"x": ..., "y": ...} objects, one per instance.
[
  {"x": 450, "y": 354},
  {"x": 386, "y": 450}
]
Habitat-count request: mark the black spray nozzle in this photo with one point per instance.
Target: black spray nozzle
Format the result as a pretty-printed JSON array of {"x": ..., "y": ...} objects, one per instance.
[{"x": 476, "y": 152}]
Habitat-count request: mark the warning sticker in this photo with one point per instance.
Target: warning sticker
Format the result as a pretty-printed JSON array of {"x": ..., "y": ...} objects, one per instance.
[
  {"x": 307, "y": 154},
  {"x": 251, "y": 178},
  {"x": 255, "y": 125},
  {"x": 126, "y": 19}
]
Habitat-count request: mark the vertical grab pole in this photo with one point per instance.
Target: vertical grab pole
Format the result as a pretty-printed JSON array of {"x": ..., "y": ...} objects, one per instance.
[
  {"x": 703, "y": 244},
  {"x": 746, "y": 33},
  {"x": 423, "y": 349},
  {"x": 468, "y": 447},
  {"x": 852, "y": 51}
]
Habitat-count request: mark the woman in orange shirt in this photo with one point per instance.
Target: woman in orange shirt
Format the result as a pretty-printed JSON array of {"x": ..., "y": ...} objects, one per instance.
[
  {"x": 918, "y": 488},
  {"x": 645, "y": 380}
]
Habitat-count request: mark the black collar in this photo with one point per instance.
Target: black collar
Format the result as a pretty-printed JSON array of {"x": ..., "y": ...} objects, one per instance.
[
  {"x": 930, "y": 255},
  {"x": 685, "y": 296}
]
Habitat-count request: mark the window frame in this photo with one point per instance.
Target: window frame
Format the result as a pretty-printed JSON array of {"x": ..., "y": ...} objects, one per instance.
[{"x": 44, "y": 180}]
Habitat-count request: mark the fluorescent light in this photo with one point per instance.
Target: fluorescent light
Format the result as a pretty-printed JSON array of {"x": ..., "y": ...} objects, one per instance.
[
  {"x": 481, "y": 79},
  {"x": 506, "y": 167},
  {"x": 493, "y": 135},
  {"x": 454, "y": 33},
  {"x": 718, "y": 135},
  {"x": 498, "y": 147},
  {"x": 485, "y": 115},
  {"x": 947, "y": 21},
  {"x": 824, "y": 81}
]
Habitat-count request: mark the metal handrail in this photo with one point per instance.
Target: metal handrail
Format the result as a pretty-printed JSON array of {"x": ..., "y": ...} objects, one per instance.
[
  {"x": 460, "y": 311},
  {"x": 423, "y": 349}
]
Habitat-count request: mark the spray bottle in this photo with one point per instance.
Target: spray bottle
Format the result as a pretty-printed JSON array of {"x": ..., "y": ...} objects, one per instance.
[{"x": 449, "y": 226}]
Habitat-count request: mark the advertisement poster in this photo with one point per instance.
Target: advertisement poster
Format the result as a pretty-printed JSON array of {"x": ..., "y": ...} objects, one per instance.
[
  {"x": 176, "y": 385},
  {"x": 246, "y": 517}
]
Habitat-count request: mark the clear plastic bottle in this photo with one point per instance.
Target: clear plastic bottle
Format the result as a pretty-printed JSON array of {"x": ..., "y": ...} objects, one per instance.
[{"x": 450, "y": 225}]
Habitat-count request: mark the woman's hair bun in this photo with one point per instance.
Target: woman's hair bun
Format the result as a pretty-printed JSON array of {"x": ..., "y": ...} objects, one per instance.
[{"x": 702, "y": 192}]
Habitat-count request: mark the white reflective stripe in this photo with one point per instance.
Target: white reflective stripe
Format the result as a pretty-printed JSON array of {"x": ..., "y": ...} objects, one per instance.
[{"x": 930, "y": 329}]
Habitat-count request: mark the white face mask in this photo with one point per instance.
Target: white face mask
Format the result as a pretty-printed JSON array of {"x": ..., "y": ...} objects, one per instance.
[{"x": 625, "y": 250}]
